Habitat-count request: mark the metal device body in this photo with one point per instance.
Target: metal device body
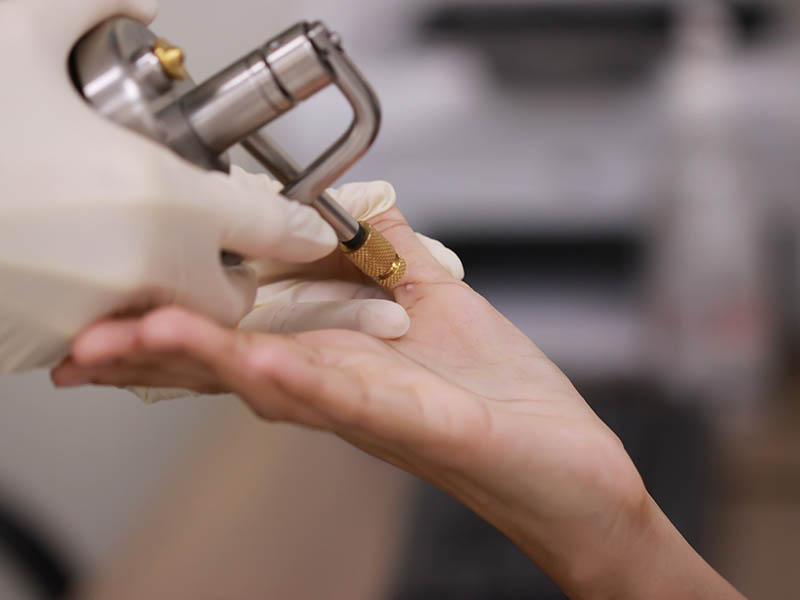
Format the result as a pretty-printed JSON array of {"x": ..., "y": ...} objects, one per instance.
[{"x": 136, "y": 79}]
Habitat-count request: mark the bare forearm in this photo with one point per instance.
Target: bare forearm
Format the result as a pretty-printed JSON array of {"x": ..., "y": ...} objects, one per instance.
[
  {"x": 662, "y": 565},
  {"x": 645, "y": 557}
]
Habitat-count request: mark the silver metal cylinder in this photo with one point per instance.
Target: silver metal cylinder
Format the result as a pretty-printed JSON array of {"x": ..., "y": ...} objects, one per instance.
[
  {"x": 235, "y": 102},
  {"x": 255, "y": 90},
  {"x": 296, "y": 64}
]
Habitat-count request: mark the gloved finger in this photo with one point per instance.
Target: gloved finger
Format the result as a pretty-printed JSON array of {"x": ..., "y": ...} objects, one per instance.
[
  {"x": 365, "y": 200},
  {"x": 64, "y": 23},
  {"x": 269, "y": 271},
  {"x": 443, "y": 255},
  {"x": 225, "y": 300},
  {"x": 256, "y": 222},
  {"x": 379, "y": 318},
  {"x": 151, "y": 395},
  {"x": 272, "y": 307},
  {"x": 326, "y": 290},
  {"x": 225, "y": 294},
  {"x": 259, "y": 179}
]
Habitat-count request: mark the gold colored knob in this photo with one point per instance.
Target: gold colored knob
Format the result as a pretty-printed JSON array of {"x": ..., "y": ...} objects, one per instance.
[
  {"x": 171, "y": 59},
  {"x": 377, "y": 258}
]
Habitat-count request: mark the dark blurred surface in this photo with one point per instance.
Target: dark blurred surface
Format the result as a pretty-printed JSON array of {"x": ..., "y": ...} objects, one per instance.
[
  {"x": 42, "y": 565},
  {"x": 584, "y": 43}
]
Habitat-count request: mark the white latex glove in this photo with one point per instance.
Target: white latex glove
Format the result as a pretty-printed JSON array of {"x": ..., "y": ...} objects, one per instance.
[
  {"x": 96, "y": 220},
  {"x": 287, "y": 304},
  {"x": 291, "y": 300}
]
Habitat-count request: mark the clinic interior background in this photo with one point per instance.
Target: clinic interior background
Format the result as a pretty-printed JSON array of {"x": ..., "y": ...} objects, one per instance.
[{"x": 620, "y": 179}]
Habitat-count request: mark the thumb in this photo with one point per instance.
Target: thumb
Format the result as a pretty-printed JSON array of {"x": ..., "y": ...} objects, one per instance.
[
  {"x": 257, "y": 222},
  {"x": 365, "y": 200}
]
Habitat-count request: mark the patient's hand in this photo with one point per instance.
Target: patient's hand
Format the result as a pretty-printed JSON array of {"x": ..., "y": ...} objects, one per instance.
[{"x": 464, "y": 400}]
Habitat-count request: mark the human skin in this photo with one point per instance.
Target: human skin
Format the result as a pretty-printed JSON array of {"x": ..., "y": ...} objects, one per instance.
[{"x": 463, "y": 400}]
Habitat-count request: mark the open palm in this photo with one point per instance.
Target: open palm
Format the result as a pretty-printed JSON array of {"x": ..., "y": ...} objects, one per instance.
[{"x": 464, "y": 399}]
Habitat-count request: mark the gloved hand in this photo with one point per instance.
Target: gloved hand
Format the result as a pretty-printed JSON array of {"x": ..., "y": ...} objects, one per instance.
[
  {"x": 96, "y": 220},
  {"x": 294, "y": 298},
  {"x": 329, "y": 294}
]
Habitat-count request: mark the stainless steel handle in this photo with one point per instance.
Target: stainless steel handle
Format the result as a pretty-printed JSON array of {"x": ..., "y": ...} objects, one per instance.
[{"x": 363, "y": 130}]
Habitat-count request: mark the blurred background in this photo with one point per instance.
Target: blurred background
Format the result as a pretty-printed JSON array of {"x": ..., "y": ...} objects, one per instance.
[{"x": 619, "y": 178}]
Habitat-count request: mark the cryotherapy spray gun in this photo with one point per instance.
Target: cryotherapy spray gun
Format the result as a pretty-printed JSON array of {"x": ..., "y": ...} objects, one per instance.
[{"x": 139, "y": 80}]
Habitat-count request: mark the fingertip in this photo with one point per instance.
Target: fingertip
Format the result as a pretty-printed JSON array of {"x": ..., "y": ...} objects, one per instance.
[
  {"x": 68, "y": 374},
  {"x": 443, "y": 255},
  {"x": 307, "y": 237},
  {"x": 56, "y": 373},
  {"x": 454, "y": 265},
  {"x": 383, "y": 319},
  {"x": 144, "y": 11},
  {"x": 104, "y": 342},
  {"x": 306, "y": 222},
  {"x": 237, "y": 172},
  {"x": 256, "y": 180},
  {"x": 366, "y": 200},
  {"x": 260, "y": 223}
]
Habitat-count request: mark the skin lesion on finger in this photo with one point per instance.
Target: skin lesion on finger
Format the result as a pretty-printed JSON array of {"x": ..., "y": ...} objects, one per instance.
[{"x": 412, "y": 288}]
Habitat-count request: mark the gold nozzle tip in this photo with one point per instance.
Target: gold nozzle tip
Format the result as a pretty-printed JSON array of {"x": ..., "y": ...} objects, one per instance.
[
  {"x": 377, "y": 258},
  {"x": 171, "y": 59}
]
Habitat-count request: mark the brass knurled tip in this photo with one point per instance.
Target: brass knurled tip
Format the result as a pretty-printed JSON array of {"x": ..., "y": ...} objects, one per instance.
[{"x": 377, "y": 258}]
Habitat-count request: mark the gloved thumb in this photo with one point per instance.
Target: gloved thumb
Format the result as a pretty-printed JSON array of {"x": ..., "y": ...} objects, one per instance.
[{"x": 257, "y": 222}]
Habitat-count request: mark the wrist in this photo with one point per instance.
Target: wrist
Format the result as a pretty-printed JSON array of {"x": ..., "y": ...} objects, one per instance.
[
  {"x": 578, "y": 517},
  {"x": 645, "y": 557},
  {"x": 598, "y": 555},
  {"x": 602, "y": 538}
]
